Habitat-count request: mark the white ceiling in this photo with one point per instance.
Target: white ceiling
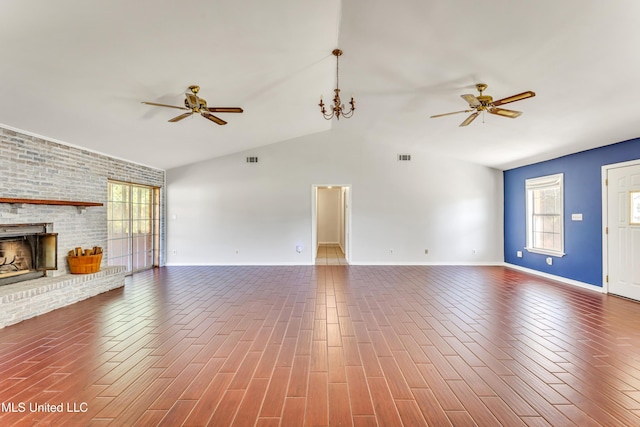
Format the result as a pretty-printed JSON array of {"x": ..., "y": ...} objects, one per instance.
[{"x": 75, "y": 71}]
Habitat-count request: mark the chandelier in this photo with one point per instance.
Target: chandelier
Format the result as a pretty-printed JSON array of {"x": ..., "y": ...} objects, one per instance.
[{"x": 337, "y": 109}]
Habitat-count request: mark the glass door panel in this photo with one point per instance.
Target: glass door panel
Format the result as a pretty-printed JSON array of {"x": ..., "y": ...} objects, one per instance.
[{"x": 133, "y": 229}]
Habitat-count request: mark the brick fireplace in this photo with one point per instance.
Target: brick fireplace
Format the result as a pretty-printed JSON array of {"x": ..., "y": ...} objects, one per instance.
[{"x": 33, "y": 170}]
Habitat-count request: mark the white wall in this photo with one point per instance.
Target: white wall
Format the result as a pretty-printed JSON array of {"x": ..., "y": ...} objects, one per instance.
[{"x": 226, "y": 211}]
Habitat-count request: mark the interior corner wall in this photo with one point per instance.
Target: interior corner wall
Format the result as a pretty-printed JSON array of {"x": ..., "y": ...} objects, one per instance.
[
  {"x": 226, "y": 211},
  {"x": 582, "y": 194}
]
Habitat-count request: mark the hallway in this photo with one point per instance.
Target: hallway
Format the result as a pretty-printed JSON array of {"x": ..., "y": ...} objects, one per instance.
[{"x": 330, "y": 254}]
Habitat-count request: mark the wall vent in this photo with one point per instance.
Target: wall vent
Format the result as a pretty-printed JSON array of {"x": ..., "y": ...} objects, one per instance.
[
  {"x": 404, "y": 157},
  {"x": 252, "y": 160}
]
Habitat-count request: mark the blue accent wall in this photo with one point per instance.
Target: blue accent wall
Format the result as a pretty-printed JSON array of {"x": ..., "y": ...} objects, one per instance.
[{"x": 582, "y": 194}]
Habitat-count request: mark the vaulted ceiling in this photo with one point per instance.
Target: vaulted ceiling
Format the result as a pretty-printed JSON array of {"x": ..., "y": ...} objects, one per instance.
[{"x": 76, "y": 71}]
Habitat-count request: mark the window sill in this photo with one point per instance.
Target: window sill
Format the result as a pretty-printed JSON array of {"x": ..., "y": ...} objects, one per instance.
[{"x": 545, "y": 252}]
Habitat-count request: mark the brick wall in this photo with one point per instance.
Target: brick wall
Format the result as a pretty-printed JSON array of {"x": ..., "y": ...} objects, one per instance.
[
  {"x": 21, "y": 301},
  {"x": 35, "y": 168}
]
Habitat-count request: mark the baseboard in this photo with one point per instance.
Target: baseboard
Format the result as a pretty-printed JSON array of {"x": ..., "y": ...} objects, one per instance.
[
  {"x": 381, "y": 263},
  {"x": 447, "y": 263},
  {"x": 239, "y": 264},
  {"x": 572, "y": 282}
]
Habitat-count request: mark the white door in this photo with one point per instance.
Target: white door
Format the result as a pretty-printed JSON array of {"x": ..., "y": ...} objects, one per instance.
[{"x": 623, "y": 238}]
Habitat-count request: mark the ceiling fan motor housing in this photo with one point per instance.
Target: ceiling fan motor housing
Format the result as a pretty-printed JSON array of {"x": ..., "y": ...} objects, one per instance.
[{"x": 485, "y": 100}]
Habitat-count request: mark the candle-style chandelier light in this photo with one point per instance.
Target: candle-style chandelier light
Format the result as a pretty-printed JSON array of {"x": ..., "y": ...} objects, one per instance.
[{"x": 337, "y": 109}]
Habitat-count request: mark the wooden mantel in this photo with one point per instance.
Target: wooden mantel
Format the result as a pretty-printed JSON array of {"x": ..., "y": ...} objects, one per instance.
[
  {"x": 49, "y": 202},
  {"x": 81, "y": 206}
]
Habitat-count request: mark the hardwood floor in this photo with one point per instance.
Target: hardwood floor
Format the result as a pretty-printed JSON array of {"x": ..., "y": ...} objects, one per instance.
[{"x": 327, "y": 345}]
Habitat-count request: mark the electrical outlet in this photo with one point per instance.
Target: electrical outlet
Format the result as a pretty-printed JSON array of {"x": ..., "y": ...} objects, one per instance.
[
  {"x": 549, "y": 261},
  {"x": 175, "y": 252},
  {"x": 473, "y": 251},
  {"x": 426, "y": 251},
  {"x": 391, "y": 251},
  {"x": 237, "y": 251},
  {"x": 519, "y": 254}
]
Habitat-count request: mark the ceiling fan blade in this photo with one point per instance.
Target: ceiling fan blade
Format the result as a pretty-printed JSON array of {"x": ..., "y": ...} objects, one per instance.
[
  {"x": 469, "y": 119},
  {"x": 514, "y": 98},
  {"x": 214, "y": 119},
  {"x": 181, "y": 116},
  {"x": 471, "y": 99},
  {"x": 449, "y": 114},
  {"x": 192, "y": 100},
  {"x": 164, "y": 105},
  {"x": 225, "y": 109},
  {"x": 505, "y": 113}
]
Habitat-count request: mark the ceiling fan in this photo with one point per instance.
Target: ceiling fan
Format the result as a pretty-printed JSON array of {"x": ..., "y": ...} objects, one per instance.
[
  {"x": 196, "y": 104},
  {"x": 480, "y": 103}
]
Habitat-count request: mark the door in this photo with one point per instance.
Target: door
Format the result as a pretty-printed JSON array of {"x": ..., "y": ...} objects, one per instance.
[
  {"x": 133, "y": 226},
  {"x": 623, "y": 230}
]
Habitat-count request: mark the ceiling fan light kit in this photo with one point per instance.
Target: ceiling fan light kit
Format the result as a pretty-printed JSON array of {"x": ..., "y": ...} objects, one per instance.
[
  {"x": 481, "y": 103},
  {"x": 337, "y": 109},
  {"x": 194, "y": 104}
]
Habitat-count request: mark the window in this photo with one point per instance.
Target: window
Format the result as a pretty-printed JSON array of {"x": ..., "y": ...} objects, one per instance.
[
  {"x": 133, "y": 212},
  {"x": 545, "y": 215}
]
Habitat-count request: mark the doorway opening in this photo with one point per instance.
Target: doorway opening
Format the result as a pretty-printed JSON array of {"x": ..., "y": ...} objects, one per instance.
[{"x": 331, "y": 224}]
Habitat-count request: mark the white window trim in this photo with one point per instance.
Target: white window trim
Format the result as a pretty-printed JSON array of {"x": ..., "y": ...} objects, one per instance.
[{"x": 534, "y": 184}]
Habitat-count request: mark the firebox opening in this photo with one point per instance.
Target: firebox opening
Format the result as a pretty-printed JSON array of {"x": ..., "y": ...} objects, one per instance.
[{"x": 27, "y": 251}]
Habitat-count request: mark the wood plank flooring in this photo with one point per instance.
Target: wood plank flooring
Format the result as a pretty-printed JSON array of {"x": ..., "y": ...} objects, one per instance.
[
  {"x": 330, "y": 254},
  {"x": 327, "y": 345}
]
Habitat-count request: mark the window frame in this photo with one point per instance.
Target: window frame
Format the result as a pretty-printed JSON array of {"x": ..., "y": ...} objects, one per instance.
[{"x": 531, "y": 185}]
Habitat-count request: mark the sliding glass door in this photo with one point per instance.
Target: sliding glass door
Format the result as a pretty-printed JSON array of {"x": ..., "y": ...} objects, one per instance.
[{"x": 133, "y": 217}]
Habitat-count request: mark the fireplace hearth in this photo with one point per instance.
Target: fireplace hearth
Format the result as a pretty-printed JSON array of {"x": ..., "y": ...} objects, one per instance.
[{"x": 27, "y": 251}]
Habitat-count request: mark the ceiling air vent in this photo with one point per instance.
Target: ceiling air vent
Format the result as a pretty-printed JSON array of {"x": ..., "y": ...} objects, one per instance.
[
  {"x": 404, "y": 157},
  {"x": 252, "y": 160}
]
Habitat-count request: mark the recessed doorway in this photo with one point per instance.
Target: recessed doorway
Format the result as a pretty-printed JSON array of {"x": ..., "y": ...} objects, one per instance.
[{"x": 331, "y": 224}]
